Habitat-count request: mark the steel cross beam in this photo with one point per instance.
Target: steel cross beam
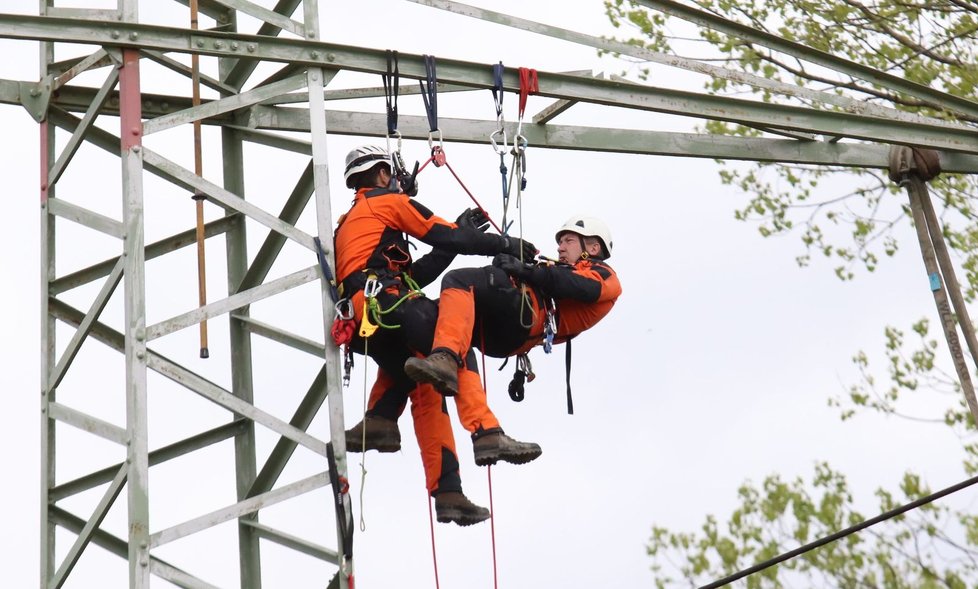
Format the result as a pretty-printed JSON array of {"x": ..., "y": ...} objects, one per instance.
[{"x": 936, "y": 135}]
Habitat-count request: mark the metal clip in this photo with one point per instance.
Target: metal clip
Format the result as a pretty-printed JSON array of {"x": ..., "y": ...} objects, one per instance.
[
  {"x": 549, "y": 330},
  {"x": 344, "y": 309},
  {"x": 372, "y": 288},
  {"x": 495, "y": 145},
  {"x": 431, "y": 142}
]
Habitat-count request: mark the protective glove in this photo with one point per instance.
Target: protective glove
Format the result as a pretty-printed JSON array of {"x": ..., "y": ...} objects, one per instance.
[
  {"x": 409, "y": 182},
  {"x": 513, "y": 266},
  {"x": 473, "y": 219},
  {"x": 518, "y": 248}
]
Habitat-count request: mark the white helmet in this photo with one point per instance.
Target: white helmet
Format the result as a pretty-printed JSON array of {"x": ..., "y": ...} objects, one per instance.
[
  {"x": 589, "y": 227},
  {"x": 363, "y": 158}
]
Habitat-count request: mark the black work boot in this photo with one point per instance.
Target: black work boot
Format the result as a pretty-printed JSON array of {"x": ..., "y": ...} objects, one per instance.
[
  {"x": 382, "y": 435},
  {"x": 440, "y": 369},
  {"x": 492, "y": 445},
  {"x": 455, "y": 507}
]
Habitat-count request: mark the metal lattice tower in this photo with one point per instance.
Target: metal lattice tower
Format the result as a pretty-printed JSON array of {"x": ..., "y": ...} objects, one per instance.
[{"x": 293, "y": 99}]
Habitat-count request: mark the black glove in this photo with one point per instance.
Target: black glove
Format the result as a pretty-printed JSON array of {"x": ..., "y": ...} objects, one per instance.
[
  {"x": 513, "y": 266},
  {"x": 519, "y": 248},
  {"x": 409, "y": 182},
  {"x": 473, "y": 219}
]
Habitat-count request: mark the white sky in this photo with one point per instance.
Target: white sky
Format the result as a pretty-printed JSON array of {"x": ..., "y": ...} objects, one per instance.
[{"x": 714, "y": 367}]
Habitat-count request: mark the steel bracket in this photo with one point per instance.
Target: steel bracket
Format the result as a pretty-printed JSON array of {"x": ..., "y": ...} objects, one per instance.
[{"x": 36, "y": 96}]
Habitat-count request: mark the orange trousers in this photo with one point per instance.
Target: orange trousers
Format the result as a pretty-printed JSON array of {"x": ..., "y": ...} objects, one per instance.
[{"x": 432, "y": 424}]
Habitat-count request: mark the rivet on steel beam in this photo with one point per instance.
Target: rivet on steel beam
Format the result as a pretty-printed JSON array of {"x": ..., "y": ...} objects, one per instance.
[
  {"x": 133, "y": 36},
  {"x": 140, "y": 334},
  {"x": 314, "y": 76},
  {"x": 134, "y": 130},
  {"x": 218, "y": 44},
  {"x": 136, "y": 149},
  {"x": 331, "y": 57},
  {"x": 200, "y": 43},
  {"x": 165, "y": 106},
  {"x": 311, "y": 33},
  {"x": 116, "y": 34},
  {"x": 234, "y": 45},
  {"x": 314, "y": 55},
  {"x": 35, "y": 92},
  {"x": 251, "y": 47},
  {"x": 140, "y": 354}
]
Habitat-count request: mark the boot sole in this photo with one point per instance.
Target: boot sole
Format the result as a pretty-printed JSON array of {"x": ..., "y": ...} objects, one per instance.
[
  {"x": 456, "y": 516},
  {"x": 492, "y": 457},
  {"x": 384, "y": 447},
  {"x": 418, "y": 371}
]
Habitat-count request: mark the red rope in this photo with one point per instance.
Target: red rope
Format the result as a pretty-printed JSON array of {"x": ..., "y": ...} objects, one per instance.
[
  {"x": 434, "y": 556},
  {"x": 492, "y": 511},
  {"x": 492, "y": 525},
  {"x": 464, "y": 187}
]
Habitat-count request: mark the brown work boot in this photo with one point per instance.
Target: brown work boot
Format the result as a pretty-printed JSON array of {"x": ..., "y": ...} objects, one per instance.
[
  {"x": 493, "y": 445},
  {"x": 440, "y": 369},
  {"x": 382, "y": 435},
  {"x": 456, "y": 507}
]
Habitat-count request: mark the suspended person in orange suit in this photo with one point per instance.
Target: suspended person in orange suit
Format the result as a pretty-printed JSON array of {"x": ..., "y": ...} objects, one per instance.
[
  {"x": 487, "y": 307},
  {"x": 372, "y": 252}
]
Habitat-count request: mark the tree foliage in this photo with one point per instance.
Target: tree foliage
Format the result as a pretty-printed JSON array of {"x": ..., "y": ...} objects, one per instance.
[
  {"x": 856, "y": 219},
  {"x": 846, "y": 215}
]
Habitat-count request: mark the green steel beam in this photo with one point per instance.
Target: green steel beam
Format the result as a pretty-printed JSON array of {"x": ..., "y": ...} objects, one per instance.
[
  {"x": 638, "y": 52},
  {"x": 559, "y": 86},
  {"x": 238, "y": 74},
  {"x": 153, "y": 250},
  {"x": 275, "y": 241},
  {"x": 190, "y": 380},
  {"x": 120, "y": 548},
  {"x": 159, "y": 456},
  {"x": 551, "y": 136},
  {"x": 831, "y": 153},
  {"x": 304, "y": 414},
  {"x": 806, "y": 53}
]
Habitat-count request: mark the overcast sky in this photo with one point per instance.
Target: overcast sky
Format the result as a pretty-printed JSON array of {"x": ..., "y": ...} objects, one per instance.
[{"x": 714, "y": 368}]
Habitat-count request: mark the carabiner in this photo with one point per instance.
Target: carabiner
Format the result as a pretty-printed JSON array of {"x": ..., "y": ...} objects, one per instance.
[
  {"x": 344, "y": 309},
  {"x": 372, "y": 288},
  {"x": 431, "y": 143},
  {"x": 495, "y": 145}
]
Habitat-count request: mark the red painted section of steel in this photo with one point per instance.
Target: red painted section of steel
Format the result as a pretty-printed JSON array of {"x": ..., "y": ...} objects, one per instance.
[
  {"x": 45, "y": 164},
  {"x": 130, "y": 100}
]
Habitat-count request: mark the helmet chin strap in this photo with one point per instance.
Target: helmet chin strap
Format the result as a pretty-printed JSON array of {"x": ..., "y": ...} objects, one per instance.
[{"x": 584, "y": 255}]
